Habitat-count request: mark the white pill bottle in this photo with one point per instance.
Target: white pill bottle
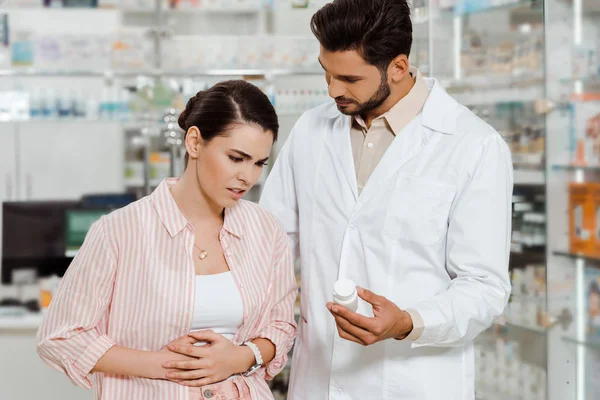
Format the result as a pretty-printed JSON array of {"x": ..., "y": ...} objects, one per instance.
[{"x": 344, "y": 294}]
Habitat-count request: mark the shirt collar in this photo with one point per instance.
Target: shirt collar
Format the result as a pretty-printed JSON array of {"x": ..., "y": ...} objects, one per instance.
[
  {"x": 407, "y": 108},
  {"x": 174, "y": 220},
  {"x": 440, "y": 112}
]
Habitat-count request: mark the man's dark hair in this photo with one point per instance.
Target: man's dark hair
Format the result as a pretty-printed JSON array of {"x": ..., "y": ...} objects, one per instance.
[{"x": 379, "y": 30}]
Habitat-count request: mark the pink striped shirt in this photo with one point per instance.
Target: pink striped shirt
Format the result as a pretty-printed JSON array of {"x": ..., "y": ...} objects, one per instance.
[{"x": 132, "y": 284}]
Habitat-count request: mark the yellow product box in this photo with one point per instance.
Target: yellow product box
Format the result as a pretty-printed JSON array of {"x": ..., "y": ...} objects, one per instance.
[{"x": 582, "y": 218}]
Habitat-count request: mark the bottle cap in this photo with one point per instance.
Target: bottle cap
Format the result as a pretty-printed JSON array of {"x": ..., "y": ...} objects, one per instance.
[{"x": 345, "y": 289}]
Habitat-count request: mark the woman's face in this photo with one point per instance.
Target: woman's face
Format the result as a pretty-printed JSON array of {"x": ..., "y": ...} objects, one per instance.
[{"x": 227, "y": 167}]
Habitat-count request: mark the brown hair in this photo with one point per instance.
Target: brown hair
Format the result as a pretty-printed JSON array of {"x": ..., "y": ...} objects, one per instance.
[{"x": 227, "y": 103}]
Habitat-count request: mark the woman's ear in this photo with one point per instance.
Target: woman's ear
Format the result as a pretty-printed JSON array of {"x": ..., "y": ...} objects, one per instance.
[{"x": 193, "y": 141}]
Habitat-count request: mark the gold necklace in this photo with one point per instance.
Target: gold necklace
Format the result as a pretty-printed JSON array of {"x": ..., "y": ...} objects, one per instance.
[{"x": 202, "y": 254}]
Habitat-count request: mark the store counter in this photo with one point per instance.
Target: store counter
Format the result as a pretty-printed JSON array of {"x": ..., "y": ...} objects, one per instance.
[{"x": 23, "y": 374}]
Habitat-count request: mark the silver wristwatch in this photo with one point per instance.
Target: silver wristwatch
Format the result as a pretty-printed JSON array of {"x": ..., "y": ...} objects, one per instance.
[{"x": 257, "y": 357}]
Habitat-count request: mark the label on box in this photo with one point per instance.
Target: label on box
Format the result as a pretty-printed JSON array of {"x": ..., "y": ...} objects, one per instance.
[{"x": 581, "y": 218}]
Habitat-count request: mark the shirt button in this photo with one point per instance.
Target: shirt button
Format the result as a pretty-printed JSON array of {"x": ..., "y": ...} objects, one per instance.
[
  {"x": 228, "y": 254},
  {"x": 208, "y": 394},
  {"x": 370, "y": 145}
]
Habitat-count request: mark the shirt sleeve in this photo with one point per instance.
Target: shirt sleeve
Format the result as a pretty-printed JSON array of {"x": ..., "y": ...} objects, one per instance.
[
  {"x": 281, "y": 328},
  {"x": 477, "y": 254},
  {"x": 69, "y": 339}
]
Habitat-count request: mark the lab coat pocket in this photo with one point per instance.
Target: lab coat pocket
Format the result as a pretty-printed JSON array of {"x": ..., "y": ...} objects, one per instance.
[{"x": 418, "y": 210}]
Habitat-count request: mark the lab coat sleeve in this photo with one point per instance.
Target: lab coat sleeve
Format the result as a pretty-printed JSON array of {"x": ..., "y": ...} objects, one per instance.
[
  {"x": 69, "y": 339},
  {"x": 477, "y": 253},
  {"x": 279, "y": 194},
  {"x": 281, "y": 326}
]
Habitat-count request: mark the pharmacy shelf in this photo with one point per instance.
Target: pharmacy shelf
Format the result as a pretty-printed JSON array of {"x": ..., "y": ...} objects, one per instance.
[
  {"x": 576, "y": 256},
  {"x": 507, "y": 6},
  {"x": 208, "y": 11},
  {"x": 521, "y": 325},
  {"x": 488, "y": 82},
  {"x": 40, "y": 73},
  {"x": 486, "y": 393},
  {"x": 506, "y": 95},
  {"x": 589, "y": 168},
  {"x": 10, "y": 5},
  {"x": 132, "y": 10},
  {"x": 592, "y": 80},
  {"x": 590, "y": 344},
  {"x": 529, "y": 177},
  {"x": 589, "y": 7},
  {"x": 526, "y": 256},
  {"x": 528, "y": 160},
  {"x": 67, "y": 121},
  {"x": 127, "y": 125},
  {"x": 28, "y": 321}
]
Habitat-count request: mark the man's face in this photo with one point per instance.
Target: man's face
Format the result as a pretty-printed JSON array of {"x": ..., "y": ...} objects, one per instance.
[{"x": 356, "y": 86}]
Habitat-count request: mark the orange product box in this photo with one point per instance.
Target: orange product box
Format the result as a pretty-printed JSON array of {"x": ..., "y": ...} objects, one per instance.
[
  {"x": 596, "y": 210},
  {"x": 582, "y": 218}
]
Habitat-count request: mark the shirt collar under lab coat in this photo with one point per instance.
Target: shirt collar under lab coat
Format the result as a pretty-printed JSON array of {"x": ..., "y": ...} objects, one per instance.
[{"x": 439, "y": 113}]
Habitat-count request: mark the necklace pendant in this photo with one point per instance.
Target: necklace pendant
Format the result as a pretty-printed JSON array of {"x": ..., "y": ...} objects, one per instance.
[{"x": 203, "y": 254}]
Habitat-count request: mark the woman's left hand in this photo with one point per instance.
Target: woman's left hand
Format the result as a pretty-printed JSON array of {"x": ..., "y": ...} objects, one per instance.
[{"x": 216, "y": 361}]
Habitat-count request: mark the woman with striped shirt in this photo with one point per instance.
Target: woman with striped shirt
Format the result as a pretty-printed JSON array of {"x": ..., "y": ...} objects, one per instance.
[{"x": 187, "y": 293}]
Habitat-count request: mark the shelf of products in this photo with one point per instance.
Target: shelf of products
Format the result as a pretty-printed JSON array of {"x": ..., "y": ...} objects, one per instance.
[
  {"x": 591, "y": 344},
  {"x": 529, "y": 177},
  {"x": 26, "y": 321},
  {"x": 591, "y": 259},
  {"x": 133, "y": 107},
  {"x": 520, "y": 325},
  {"x": 502, "y": 371},
  {"x": 36, "y": 73},
  {"x": 150, "y": 6},
  {"x": 140, "y": 5},
  {"x": 468, "y": 7},
  {"x": 498, "y": 58},
  {"x": 576, "y": 168},
  {"x": 589, "y": 7}
]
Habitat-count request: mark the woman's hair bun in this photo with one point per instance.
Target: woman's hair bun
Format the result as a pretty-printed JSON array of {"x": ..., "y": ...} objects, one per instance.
[{"x": 191, "y": 104}]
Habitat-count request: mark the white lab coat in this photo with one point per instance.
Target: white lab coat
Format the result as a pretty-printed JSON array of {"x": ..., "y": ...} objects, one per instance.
[{"x": 430, "y": 231}]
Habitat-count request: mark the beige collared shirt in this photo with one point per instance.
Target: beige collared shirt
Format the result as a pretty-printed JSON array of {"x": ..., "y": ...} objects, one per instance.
[{"x": 369, "y": 144}]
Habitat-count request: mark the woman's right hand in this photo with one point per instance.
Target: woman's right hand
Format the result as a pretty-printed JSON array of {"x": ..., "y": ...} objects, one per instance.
[{"x": 165, "y": 355}]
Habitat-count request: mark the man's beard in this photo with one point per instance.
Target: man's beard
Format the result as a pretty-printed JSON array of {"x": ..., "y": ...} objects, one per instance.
[{"x": 383, "y": 92}]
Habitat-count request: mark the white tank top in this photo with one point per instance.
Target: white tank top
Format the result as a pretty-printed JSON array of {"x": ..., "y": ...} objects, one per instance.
[{"x": 218, "y": 306}]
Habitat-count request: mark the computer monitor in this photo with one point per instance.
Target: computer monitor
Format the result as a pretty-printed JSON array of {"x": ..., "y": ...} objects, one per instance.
[
  {"x": 33, "y": 237},
  {"x": 45, "y": 235}
]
